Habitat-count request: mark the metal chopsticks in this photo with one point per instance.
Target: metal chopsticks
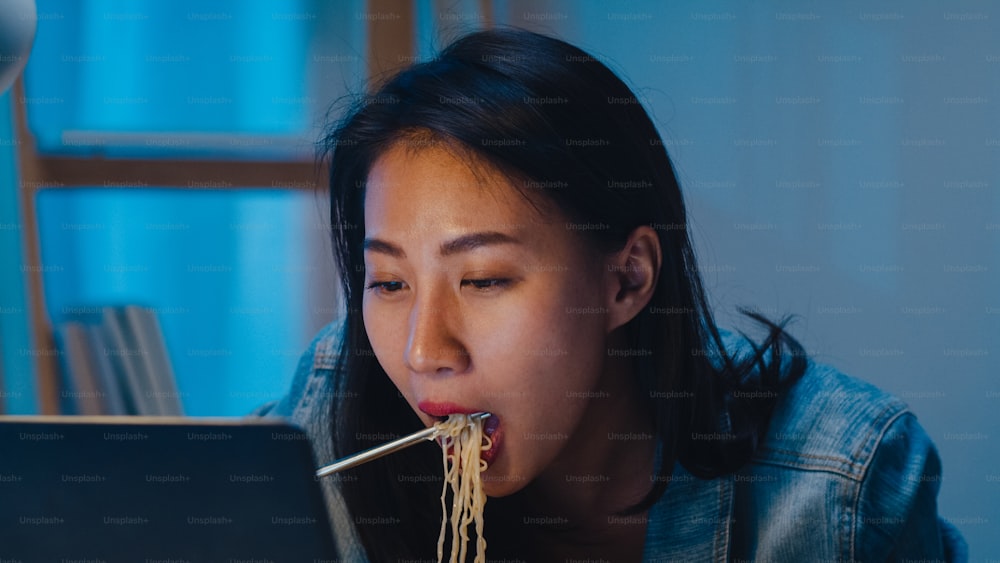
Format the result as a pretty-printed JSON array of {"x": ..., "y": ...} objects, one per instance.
[{"x": 385, "y": 449}]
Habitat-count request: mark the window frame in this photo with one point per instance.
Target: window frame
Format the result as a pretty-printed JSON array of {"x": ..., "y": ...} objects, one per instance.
[{"x": 390, "y": 45}]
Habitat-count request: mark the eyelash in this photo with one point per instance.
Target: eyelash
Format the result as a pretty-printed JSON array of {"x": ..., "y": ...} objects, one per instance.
[
  {"x": 488, "y": 284},
  {"x": 384, "y": 286},
  {"x": 485, "y": 284}
]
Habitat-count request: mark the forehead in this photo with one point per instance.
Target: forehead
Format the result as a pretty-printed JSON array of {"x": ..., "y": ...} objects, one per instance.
[{"x": 439, "y": 186}]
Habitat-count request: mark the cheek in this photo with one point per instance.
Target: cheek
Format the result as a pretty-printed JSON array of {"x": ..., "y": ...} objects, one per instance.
[
  {"x": 567, "y": 314},
  {"x": 548, "y": 352},
  {"x": 385, "y": 336},
  {"x": 542, "y": 345}
]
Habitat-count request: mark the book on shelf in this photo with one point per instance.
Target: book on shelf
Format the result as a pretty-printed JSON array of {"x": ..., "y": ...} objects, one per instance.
[
  {"x": 81, "y": 391},
  {"x": 116, "y": 362},
  {"x": 114, "y": 403},
  {"x": 154, "y": 361}
]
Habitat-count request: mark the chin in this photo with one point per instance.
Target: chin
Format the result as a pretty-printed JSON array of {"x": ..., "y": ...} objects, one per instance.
[
  {"x": 501, "y": 489},
  {"x": 499, "y": 483}
]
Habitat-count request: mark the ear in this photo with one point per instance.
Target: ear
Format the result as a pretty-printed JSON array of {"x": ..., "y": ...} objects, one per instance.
[{"x": 630, "y": 276}]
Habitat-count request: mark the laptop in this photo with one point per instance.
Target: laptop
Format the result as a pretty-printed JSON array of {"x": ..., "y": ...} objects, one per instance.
[{"x": 159, "y": 490}]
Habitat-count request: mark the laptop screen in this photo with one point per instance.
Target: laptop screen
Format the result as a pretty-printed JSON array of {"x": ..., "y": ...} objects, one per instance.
[{"x": 141, "y": 489}]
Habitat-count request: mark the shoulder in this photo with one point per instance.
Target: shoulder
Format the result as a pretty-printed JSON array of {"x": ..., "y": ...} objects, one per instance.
[
  {"x": 831, "y": 421},
  {"x": 313, "y": 372},
  {"x": 826, "y": 420},
  {"x": 325, "y": 347},
  {"x": 854, "y": 460}
]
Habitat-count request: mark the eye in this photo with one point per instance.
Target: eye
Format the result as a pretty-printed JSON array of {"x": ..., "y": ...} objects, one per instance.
[
  {"x": 487, "y": 284},
  {"x": 385, "y": 286}
]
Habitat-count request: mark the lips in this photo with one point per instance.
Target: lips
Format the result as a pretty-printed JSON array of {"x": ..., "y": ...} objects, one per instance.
[
  {"x": 441, "y": 410},
  {"x": 491, "y": 426}
]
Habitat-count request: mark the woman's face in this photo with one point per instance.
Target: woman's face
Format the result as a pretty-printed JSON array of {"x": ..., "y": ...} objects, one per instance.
[{"x": 477, "y": 301}]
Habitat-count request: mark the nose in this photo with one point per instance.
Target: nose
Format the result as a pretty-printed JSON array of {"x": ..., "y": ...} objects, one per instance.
[{"x": 434, "y": 346}]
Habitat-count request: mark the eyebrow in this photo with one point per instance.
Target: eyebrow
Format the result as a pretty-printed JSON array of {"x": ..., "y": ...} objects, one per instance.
[{"x": 464, "y": 243}]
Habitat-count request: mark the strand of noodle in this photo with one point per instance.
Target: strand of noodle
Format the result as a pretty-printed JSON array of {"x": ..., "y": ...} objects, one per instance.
[
  {"x": 465, "y": 439},
  {"x": 470, "y": 458},
  {"x": 481, "y": 502},
  {"x": 454, "y": 476},
  {"x": 472, "y": 485},
  {"x": 456, "y": 496},
  {"x": 461, "y": 503},
  {"x": 445, "y": 443}
]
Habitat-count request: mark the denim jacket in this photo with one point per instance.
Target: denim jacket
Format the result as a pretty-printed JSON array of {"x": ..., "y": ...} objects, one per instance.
[{"x": 844, "y": 473}]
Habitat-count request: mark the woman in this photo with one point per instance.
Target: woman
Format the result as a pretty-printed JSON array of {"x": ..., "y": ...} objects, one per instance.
[{"x": 512, "y": 239}]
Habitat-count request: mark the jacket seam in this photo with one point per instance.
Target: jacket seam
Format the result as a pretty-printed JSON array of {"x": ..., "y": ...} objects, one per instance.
[
  {"x": 857, "y": 462},
  {"x": 726, "y": 502},
  {"x": 881, "y": 429},
  {"x": 805, "y": 466},
  {"x": 840, "y": 460},
  {"x": 853, "y": 488},
  {"x": 859, "y": 485}
]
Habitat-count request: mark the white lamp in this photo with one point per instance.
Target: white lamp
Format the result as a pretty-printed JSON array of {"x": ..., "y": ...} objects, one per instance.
[{"x": 18, "y": 19}]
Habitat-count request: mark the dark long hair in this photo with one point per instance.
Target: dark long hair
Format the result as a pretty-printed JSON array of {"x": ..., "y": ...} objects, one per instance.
[{"x": 568, "y": 130}]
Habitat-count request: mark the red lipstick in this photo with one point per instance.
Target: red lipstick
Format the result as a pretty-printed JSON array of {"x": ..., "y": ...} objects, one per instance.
[{"x": 443, "y": 409}]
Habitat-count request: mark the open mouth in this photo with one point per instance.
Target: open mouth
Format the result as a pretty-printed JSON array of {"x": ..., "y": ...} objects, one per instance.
[{"x": 491, "y": 426}]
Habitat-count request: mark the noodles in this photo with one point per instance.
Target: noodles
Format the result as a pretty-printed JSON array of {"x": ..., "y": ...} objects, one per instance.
[{"x": 462, "y": 468}]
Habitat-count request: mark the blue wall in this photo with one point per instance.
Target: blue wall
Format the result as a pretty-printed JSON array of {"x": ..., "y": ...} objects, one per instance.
[{"x": 841, "y": 162}]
